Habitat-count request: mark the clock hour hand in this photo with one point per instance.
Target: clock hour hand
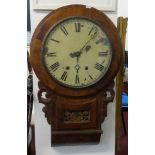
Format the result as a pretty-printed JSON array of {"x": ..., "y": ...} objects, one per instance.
[
  {"x": 75, "y": 54},
  {"x": 88, "y": 47}
]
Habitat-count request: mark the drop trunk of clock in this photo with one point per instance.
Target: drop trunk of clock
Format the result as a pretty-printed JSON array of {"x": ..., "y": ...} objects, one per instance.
[{"x": 75, "y": 120}]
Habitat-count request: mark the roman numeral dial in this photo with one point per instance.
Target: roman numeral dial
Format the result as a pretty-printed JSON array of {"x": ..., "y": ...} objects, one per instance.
[{"x": 76, "y": 53}]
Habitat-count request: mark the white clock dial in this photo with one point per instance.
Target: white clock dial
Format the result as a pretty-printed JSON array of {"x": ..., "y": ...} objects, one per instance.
[{"x": 77, "y": 52}]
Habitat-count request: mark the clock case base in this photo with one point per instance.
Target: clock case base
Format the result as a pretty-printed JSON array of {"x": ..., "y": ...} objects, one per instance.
[
  {"x": 75, "y": 120},
  {"x": 77, "y": 136}
]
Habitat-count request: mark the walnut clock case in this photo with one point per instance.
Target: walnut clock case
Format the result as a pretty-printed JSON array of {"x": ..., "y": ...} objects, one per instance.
[{"x": 75, "y": 53}]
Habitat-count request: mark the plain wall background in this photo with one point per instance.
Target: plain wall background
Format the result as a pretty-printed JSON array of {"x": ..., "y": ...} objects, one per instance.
[{"x": 42, "y": 129}]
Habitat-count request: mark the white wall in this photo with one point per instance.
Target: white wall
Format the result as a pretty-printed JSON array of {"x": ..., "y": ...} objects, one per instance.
[
  {"x": 122, "y": 10},
  {"x": 42, "y": 129}
]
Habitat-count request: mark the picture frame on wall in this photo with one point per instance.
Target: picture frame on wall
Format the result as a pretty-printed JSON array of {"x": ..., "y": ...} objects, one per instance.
[{"x": 104, "y": 5}]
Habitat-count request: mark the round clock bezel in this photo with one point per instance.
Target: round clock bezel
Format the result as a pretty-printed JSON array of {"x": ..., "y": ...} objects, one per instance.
[
  {"x": 67, "y": 12},
  {"x": 43, "y": 60}
]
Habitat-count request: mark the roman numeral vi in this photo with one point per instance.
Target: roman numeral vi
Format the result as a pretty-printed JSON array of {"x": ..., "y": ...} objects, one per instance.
[{"x": 64, "y": 76}]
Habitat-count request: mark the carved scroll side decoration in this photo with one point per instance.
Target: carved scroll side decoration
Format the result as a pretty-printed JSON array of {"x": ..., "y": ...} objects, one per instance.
[
  {"x": 108, "y": 96},
  {"x": 45, "y": 97},
  {"x": 82, "y": 116},
  {"x": 110, "y": 89}
]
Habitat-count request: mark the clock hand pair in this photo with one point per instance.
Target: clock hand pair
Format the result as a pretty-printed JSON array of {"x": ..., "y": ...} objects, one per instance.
[{"x": 87, "y": 47}]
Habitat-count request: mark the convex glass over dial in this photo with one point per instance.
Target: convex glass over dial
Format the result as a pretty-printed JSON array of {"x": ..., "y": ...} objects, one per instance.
[{"x": 76, "y": 52}]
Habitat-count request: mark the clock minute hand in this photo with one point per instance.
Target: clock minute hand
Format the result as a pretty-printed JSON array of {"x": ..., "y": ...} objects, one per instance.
[
  {"x": 92, "y": 37},
  {"x": 84, "y": 45}
]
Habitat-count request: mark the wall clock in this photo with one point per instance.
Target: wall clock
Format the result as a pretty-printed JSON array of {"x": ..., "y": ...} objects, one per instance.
[{"x": 75, "y": 52}]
